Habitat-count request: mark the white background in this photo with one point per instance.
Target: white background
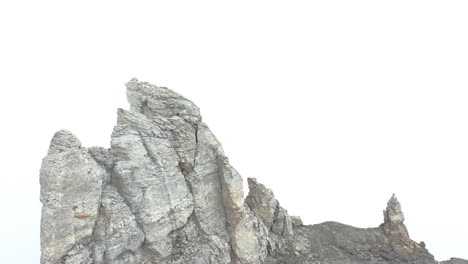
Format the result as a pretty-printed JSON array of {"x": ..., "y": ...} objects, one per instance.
[{"x": 334, "y": 105}]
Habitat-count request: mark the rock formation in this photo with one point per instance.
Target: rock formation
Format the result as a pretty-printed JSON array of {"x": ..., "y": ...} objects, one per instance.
[
  {"x": 396, "y": 231},
  {"x": 165, "y": 193}
]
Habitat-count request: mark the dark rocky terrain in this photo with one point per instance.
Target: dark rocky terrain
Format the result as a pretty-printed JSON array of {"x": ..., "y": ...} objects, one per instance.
[{"x": 165, "y": 193}]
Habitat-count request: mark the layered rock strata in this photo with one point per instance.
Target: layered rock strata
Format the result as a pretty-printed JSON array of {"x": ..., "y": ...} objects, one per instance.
[{"x": 165, "y": 193}]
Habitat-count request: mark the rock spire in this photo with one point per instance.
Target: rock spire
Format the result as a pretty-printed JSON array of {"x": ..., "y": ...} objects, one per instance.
[{"x": 395, "y": 229}]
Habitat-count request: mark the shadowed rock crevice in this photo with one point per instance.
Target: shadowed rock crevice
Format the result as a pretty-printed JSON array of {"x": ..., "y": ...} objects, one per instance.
[{"x": 165, "y": 192}]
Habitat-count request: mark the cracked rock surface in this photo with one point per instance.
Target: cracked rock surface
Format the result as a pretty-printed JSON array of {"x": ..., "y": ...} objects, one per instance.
[{"x": 165, "y": 192}]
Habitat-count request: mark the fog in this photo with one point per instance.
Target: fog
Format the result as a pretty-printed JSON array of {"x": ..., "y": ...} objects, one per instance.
[{"x": 334, "y": 105}]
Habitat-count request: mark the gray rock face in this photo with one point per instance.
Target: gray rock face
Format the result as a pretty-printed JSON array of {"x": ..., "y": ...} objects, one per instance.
[
  {"x": 165, "y": 193},
  {"x": 396, "y": 231},
  {"x": 71, "y": 189},
  {"x": 267, "y": 209},
  {"x": 455, "y": 261}
]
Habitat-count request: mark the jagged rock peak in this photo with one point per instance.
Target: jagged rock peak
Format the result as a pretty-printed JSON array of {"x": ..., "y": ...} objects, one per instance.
[
  {"x": 393, "y": 214},
  {"x": 396, "y": 231},
  {"x": 63, "y": 140},
  {"x": 165, "y": 192},
  {"x": 153, "y": 100},
  {"x": 266, "y": 208}
]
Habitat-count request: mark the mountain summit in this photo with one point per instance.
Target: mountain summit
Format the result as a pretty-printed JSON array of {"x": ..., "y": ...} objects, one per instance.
[{"x": 165, "y": 193}]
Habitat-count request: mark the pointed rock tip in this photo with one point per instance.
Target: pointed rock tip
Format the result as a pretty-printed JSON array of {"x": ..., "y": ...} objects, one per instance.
[
  {"x": 120, "y": 111},
  {"x": 132, "y": 84},
  {"x": 393, "y": 213},
  {"x": 63, "y": 140},
  {"x": 256, "y": 187},
  {"x": 393, "y": 202},
  {"x": 252, "y": 181},
  {"x": 153, "y": 100}
]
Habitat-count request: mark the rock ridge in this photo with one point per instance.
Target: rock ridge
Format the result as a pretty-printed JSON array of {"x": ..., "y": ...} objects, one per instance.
[{"x": 165, "y": 192}]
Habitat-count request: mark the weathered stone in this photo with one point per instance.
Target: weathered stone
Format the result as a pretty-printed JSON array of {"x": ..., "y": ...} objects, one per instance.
[
  {"x": 117, "y": 231},
  {"x": 71, "y": 186},
  {"x": 165, "y": 192},
  {"x": 78, "y": 255},
  {"x": 244, "y": 240},
  {"x": 455, "y": 261},
  {"x": 296, "y": 221},
  {"x": 395, "y": 229},
  {"x": 146, "y": 172},
  {"x": 265, "y": 207}
]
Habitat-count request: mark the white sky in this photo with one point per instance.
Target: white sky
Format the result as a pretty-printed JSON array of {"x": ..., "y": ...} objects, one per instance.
[{"x": 334, "y": 105}]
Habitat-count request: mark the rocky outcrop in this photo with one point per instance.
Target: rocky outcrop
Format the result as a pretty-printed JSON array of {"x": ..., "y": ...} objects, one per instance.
[
  {"x": 165, "y": 192},
  {"x": 71, "y": 189},
  {"x": 455, "y": 261},
  {"x": 267, "y": 209},
  {"x": 395, "y": 229}
]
